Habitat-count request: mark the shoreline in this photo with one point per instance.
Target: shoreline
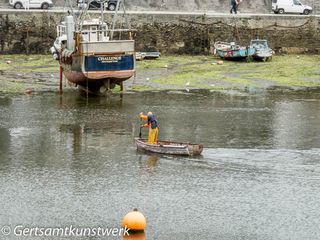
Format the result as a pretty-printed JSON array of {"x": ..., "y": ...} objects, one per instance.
[{"x": 184, "y": 73}]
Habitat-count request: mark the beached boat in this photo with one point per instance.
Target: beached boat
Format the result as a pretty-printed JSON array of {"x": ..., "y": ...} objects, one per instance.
[
  {"x": 168, "y": 147},
  {"x": 92, "y": 54},
  {"x": 263, "y": 52},
  {"x": 147, "y": 55},
  {"x": 231, "y": 51}
]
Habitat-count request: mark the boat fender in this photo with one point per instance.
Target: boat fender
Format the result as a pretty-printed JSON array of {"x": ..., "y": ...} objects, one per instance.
[{"x": 53, "y": 50}]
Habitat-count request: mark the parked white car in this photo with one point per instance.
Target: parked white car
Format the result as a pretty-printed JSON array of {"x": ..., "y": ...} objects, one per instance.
[
  {"x": 290, "y": 6},
  {"x": 26, "y": 4}
]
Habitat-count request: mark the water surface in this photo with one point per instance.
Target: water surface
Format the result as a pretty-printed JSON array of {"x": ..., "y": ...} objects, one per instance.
[{"x": 71, "y": 160}]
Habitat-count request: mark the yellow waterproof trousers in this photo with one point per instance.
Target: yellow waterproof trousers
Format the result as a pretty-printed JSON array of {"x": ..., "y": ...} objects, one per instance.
[{"x": 153, "y": 136}]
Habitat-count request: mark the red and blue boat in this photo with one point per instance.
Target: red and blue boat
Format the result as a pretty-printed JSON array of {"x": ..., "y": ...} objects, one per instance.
[
  {"x": 232, "y": 51},
  {"x": 93, "y": 56}
]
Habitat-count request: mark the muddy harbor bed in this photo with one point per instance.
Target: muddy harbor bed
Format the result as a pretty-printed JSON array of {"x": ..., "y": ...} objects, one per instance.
[{"x": 285, "y": 72}]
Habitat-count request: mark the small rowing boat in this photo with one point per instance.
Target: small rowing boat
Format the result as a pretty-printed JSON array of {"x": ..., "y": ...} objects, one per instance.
[{"x": 168, "y": 147}]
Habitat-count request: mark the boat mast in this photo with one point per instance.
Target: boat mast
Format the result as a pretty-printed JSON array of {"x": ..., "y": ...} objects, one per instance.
[
  {"x": 120, "y": 3},
  {"x": 71, "y": 8},
  {"x": 114, "y": 20},
  {"x": 101, "y": 9},
  {"x": 102, "y": 19}
]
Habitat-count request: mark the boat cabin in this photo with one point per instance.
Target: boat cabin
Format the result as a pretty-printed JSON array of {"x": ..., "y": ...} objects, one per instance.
[
  {"x": 94, "y": 31},
  {"x": 259, "y": 44}
]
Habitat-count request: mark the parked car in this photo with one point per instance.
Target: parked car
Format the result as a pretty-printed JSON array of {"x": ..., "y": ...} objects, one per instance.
[
  {"x": 18, "y": 4},
  {"x": 290, "y": 6},
  {"x": 96, "y": 4}
]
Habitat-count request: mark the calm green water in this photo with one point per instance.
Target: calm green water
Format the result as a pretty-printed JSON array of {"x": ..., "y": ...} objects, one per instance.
[{"x": 68, "y": 160}]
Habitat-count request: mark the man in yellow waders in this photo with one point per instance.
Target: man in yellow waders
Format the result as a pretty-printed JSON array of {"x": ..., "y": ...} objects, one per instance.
[{"x": 153, "y": 127}]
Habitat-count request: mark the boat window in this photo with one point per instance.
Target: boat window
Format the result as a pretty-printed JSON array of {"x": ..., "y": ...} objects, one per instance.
[
  {"x": 61, "y": 30},
  {"x": 105, "y": 28},
  {"x": 274, "y": 1},
  {"x": 85, "y": 36},
  {"x": 259, "y": 44}
]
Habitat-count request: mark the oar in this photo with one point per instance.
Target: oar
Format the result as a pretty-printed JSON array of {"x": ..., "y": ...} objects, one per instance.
[
  {"x": 140, "y": 133},
  {"x": 140, "y": 128}
]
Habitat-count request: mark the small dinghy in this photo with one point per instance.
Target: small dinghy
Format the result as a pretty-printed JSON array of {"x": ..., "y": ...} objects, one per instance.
[
  {"x": 168, "y": 147},
  {"x": 263, "y": 53}
]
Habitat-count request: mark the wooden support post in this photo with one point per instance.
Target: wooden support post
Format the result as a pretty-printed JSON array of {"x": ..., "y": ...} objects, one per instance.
[
  {"x": 27, "y": 42},
  {"x": 61, "y": 78},
  {"x": 121, "y": 90},
  {"x": 121, "y": 87}
]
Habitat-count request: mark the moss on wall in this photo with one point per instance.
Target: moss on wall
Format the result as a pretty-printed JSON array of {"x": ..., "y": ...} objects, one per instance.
[{"x": 187, "y": 34}]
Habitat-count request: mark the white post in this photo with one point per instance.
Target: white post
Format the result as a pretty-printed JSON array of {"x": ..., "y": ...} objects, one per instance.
[{"x": 70, "y": 32}]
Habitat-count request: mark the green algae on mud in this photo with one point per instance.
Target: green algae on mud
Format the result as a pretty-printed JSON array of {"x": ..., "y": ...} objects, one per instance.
[
  {"x": 28, "y": 63},
  {"x": 175, "y": 72},
  {"x": 15, "y": 86},
  {"x": 203, "y": 72}
]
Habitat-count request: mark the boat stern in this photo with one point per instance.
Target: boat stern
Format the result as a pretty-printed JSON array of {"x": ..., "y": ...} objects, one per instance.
[
  {"x": 111, "y": 59},
  {"x": 195, "y": 149}
]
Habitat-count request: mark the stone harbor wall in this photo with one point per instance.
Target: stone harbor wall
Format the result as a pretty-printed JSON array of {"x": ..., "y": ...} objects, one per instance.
[
  {"x": 247, "y": 6},
  {"x": 34, "y": 32},
  {"x": 187, "y": 34}
]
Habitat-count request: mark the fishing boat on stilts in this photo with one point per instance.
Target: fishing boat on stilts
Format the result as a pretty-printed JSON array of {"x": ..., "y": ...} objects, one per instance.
[{"x": 93, "y": 54}]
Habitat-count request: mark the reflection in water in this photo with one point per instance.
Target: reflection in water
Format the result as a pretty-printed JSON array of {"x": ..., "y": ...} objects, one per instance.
[
  {"x": 294, "y": 125},
  {"x": 5, "y": 139},
  {"x": 148, "y": 163},
  {"x": 4, "y": 146},
  {"x": 77, "y": 132},
  {"x": 135, "y": 236},
  {"x": 71, "y": 160},
  {"x": 152, "y": 162},
  {"x": 5, "y": 101},
  {"x": 72, "y": 100}
]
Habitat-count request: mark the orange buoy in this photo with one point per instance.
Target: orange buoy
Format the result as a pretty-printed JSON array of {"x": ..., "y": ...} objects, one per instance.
[
  {"x": 135, "y": 221},
  {"x": 135, "y": 236},
  {"x": 220, "y": 62}
]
